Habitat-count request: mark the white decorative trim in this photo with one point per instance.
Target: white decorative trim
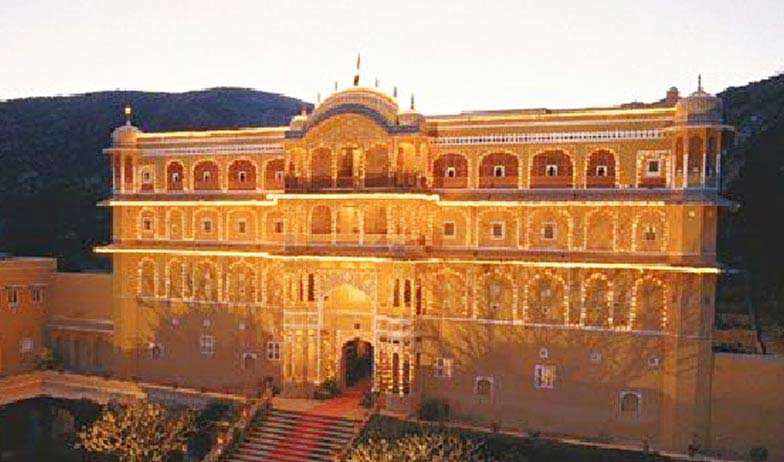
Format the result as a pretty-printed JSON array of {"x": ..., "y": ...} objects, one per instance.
[
  {"x": 221, "y": 149},
  {"x": 558, "y": 137}
]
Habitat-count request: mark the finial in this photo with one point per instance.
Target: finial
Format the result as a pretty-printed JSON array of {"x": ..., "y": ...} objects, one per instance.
[
  {"x": 318, "y": 97},
  {"x": 128, "y": 114},
  {"x": 412, "y": 101},
  {"x": 699, "y": 82},
  {"x": 376, "y": 82},
  {"x": 356, "y": 76},
  {"x": 394, "y": 92},
  {"x": 304, "y": 110},
  {"x": 336, "y": 85}
]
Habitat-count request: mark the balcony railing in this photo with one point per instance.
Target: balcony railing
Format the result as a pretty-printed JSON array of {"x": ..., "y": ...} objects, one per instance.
[{"x": 400, "y": 182}]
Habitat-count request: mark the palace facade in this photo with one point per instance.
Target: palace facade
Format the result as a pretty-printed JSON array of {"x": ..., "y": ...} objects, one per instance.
[{"x": 540, "y": 269}]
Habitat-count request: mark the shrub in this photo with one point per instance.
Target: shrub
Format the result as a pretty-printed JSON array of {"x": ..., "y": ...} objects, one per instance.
[
  {"x": 758, "y": 454},
  {"x": 327, "y": 390},
  {"x": 368, "y": 398},
  {"x": 434, "y": 410},
  {"x": 427, "y": 447}
]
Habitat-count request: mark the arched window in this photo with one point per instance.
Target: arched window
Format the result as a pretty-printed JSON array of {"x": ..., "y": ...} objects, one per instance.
[
  {"x": 552, "y": 169},
  {"x": 498, "y": 170},
  {"x": 450, "y": 171},
  {"x": 321, "y": 168},
  {"x": 147, "y": 279},
  {"x": 601, "y": 170},
  {"x": 206, "y": 176},
  {"x": 128, "y": 173},
  {"x": 321, "y": 220},
  {"x": 242, "y": 175},
  {"x": 597, "y": 302},
  {"x": 148, "y": 179},
  {"x": 249, "y": 361},
  {"x": 274, "y": 174},
  {"x": 377, "y": 167},
  {"x": 629, "y": 405},
  {"x": 174, "y": 178},
  {"x": 484, "y": 387}
]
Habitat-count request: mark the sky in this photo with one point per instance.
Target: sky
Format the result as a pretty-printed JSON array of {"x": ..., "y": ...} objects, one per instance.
[{"x": 453, "y": 55}]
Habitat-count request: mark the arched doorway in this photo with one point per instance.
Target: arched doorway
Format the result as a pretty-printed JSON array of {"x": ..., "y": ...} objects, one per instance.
[{"x": 356, "y": 362}]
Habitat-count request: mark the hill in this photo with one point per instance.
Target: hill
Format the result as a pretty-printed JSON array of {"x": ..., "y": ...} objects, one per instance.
[{"x": 53, "y": 171}]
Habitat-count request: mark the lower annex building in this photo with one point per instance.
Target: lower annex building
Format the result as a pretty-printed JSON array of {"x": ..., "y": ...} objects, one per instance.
[{"x": 550, "y": 269}]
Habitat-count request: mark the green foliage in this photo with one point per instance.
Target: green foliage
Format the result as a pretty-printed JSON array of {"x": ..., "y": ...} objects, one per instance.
[
  {"x": 53, "y": 171},
  {"x": 137, "y": 432},
  {"x": 328, "y": 389},
  {"x": 403, "y": 440},
  {"x": 434, "y": 410},
  {"x": 758, "y": 454}
]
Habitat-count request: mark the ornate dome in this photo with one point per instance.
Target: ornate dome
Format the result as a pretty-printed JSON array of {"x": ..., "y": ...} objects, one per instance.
[
  {"x": 125, "y": 135},
  {"x": 699, "y": 108},
  {"x": 358, "y": 98}
]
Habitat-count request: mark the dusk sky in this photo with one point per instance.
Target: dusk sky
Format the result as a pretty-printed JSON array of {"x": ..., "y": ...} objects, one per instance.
[{"x": 454, "y": 55}]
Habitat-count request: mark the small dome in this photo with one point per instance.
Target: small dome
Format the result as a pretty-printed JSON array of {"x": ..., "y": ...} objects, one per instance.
[
  {"x": 370, "y": 98},
  {"x": 699, "y": 108},
  {"x": 125, "y": 135}
]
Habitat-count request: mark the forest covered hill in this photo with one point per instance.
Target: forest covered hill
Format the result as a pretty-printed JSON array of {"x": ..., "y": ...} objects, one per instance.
[{"x": 52, "y": 171}]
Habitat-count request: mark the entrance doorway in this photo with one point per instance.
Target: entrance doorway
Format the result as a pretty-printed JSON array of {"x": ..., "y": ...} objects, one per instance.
[{"x": 357, "y": 362}]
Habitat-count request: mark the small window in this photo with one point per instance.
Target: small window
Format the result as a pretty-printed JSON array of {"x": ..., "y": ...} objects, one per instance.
[
  {"x": 653, "y": 168},
  {"x": 499, "y": 171},
  {"x": 601, "y": 170},
  {"x": 206, "y": 323},
  {"x": 548, "y": 231},
  {"x": 279, "y": 175},
  {"x": 650, "y": 233},
  {"x": 26, "y": 345},
  {"x": 242, "y": 176},
  {"x": 36, "y": 294},
  {"x": 146, "y": 177},
  {"x": 551, "y": 170},
  {"x": 629, "y": 405},
  {"x": 241, "y": 325},
  {"x": 206, "y": 176},
  {"x": 449, "y": 229},
  {"x": 207, "y": 345},
  {"x": 12, "y": 295},
  {"x": 273, "y": 351},
  {"x": 156, "y": 351},
  {"x": 147, "y": 224},
  {"x": 450, "y": 172},
  {"x": 277, "y": 226},
  {"x": 653, "y": 361},
  {"x": 546, "y": 292},
  {"x": 544, "y": 376},
  {"x": 249, "y": 361},
  {"x": 443, "y": 367},
  {"x": 497, "y": 230},
  {"x": 484, "y": 386},
  {"x": 544, "y": 353},
  {"x": 242, "y": 226},
  {"x": 175, "y": 177},
  {"x": 206, "y": 225},
  {"x": 596, "y": 357}
]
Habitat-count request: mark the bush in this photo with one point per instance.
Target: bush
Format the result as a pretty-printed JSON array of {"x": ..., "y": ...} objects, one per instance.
[
  {"x": 434, "y": 410},
  {"x": 427, "y": 447},
  {"x": 368, "y": 398},
  {"x": 758, "y": 454},
  {"x": 327, "y": 390}
]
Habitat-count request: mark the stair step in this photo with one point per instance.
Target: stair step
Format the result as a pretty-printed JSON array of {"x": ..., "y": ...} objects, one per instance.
[
  {"x": 288, "y": 444},
  {"x": 275, "y": 415},
  {"x": 326, "y": 443},
  {"x": 262, "y": 435},
  {"x": 282, "y": 450},
  {"x": 313, "y": 416},
  {"x": 278, "y": 457},
  {"x": 303, "y": 431}
]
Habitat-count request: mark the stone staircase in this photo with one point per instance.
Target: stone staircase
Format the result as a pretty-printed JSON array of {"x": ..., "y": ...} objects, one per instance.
[{"x": 294, "y": 436}]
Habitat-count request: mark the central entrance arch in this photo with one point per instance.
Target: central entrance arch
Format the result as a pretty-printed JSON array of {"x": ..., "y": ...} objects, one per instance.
[
  {"x": 348, "y": 321},
  {"x": 356, "y": 363}
]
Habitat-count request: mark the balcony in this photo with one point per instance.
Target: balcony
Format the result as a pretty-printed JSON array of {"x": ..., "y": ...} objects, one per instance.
[{"x": 391, "y": 182}]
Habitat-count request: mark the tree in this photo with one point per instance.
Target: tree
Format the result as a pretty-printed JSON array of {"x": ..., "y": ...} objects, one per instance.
[{"x": 137, "y": 432}]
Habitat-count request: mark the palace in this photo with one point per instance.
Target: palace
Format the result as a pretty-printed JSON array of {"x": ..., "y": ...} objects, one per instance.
[{"x": 538, "y": 269}]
